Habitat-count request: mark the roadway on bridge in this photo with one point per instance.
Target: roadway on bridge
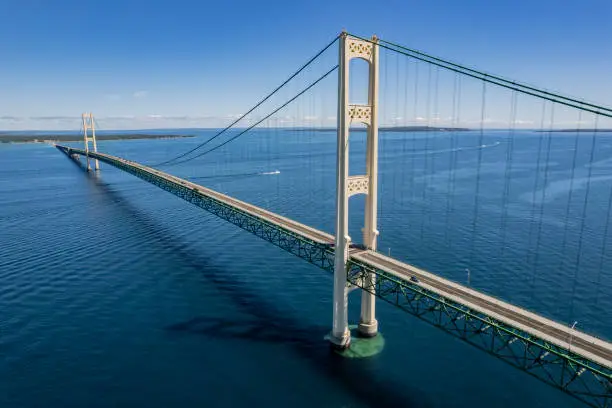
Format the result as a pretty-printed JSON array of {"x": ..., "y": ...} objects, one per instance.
[
  {"x": 546, "y": 329},
  {"x": 582, "y": 344}
]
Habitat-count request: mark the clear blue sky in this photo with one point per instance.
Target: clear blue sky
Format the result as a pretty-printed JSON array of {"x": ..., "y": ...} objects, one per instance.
[{"x": 156, "y": 62}]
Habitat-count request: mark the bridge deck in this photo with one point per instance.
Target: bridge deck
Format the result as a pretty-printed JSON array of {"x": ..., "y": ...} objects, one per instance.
[{"x": 582, "y": 344}]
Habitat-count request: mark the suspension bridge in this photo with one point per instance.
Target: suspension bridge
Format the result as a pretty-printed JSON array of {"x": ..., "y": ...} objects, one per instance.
[{"x": 561, "y": 355}]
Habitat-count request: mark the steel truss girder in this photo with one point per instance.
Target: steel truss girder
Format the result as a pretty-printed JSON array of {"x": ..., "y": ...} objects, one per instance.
[{"x": 583, "y": 379}]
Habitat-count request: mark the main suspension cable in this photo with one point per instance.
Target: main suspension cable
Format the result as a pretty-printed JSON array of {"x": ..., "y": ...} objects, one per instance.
[
  {"x": 495, "y": 77},
  {"x": 322, "y": 77},
  {"x": 257, "y": 105},
  {"x": 560, "y": 99}
]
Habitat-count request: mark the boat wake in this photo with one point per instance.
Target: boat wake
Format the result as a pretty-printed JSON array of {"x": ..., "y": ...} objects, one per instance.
[{"x": 457, "y": 149}]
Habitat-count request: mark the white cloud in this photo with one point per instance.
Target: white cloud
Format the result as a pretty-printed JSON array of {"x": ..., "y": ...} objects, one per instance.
[
  {"x": 10, "y": 119},
  {"x": 140, "y": 94},
  {"x": 52, "y": 118},
  {"x": 575, "y": 123}
]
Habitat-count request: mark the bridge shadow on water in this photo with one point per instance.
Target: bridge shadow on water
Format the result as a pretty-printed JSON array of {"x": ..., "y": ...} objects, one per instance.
[{"x": 269, "y": 324}]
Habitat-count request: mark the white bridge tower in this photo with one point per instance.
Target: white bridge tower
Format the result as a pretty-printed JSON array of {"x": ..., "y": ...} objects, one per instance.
[
  {"x": 89, "y": 123},
  {"x": 347, "y": 186}
]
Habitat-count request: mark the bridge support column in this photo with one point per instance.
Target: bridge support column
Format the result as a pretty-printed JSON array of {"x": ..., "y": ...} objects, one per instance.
[
  {"x": 341, "y": 336},
  {"x": 89, "y": 123},
  {"x": 347, "y": 186},
  {"x": 368, "y": 325}
]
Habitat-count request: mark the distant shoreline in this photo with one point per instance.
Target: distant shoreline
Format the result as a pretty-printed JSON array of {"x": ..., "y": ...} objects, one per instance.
[
  {"x": 576, "y": 130},
  {"x": 8, "y": 138},
  {"x": 391, "y": 129}
]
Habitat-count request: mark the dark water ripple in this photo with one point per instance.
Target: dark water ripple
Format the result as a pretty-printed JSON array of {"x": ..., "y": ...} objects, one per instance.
[{"x": 115, "y": 293}]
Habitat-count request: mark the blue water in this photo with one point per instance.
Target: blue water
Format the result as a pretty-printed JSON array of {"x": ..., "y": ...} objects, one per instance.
[{"x": 115, "y": 293}]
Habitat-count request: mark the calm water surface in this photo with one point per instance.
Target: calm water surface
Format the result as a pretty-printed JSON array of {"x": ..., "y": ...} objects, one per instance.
[{"x": 115, "y": 293}]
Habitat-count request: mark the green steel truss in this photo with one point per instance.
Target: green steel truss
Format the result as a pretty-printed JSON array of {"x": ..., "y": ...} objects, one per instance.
[{"x": 581, "y": 378}]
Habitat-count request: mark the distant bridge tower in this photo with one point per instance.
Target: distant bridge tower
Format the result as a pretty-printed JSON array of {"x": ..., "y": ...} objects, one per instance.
[
  {"x": 347, "y": 186},
  {"x": 89, "y": 123}
]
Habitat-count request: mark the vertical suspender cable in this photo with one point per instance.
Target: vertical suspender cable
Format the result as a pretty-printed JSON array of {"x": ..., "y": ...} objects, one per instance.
[
  {"x": 583, "y": 220},
  {"x": 508, "y": 171},
  {"x": 450, "y": 159},
  {"x": 478, "y": 169},
  {"x": 542, "y": 200},
  {"x": 534, "y": 201},
  {"x": 563, "y": 254}
]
